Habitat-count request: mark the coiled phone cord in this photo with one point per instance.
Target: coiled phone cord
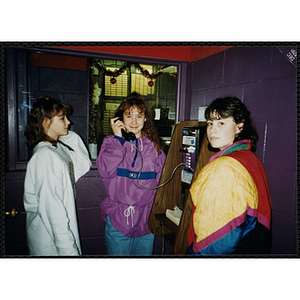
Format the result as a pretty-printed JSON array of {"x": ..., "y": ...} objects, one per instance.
[{"x": 161, "y": 185}]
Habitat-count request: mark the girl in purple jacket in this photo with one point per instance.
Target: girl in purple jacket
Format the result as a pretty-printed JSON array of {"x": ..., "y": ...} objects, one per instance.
[{"x": 128, "y": 203}]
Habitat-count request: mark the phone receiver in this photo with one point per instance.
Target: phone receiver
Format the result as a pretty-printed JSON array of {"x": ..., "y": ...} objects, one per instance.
[{"x": 128, "y": 136}]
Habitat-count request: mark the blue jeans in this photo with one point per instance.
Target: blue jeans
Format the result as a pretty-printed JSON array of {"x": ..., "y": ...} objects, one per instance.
[{"x": 120, "y": 244}]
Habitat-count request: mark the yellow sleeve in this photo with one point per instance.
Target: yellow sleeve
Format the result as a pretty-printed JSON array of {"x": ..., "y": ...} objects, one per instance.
[{"x": 222, "y": 192}]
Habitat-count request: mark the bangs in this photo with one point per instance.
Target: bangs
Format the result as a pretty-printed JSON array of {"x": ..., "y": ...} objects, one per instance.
[
  {"x": 139, "y": 106},
  {"x": 212, "y": 114}
]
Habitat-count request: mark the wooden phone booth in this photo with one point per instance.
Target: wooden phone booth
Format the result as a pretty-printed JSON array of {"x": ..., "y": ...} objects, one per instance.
[{"x": 169, "y": 196}]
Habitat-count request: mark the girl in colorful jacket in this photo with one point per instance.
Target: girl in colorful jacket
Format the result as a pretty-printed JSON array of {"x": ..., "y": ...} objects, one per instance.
[
  {"x": 232, "y": 205},
  {"x": 59, "y": 159},
  {"x": 128, "y": 203}
]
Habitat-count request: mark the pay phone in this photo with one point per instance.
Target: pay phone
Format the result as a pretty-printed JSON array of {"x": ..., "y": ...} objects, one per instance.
[{"x": 192, "y": 138}]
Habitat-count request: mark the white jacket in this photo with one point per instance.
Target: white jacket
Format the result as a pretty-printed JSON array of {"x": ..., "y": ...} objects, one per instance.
[{"x": 49, "y": 196}]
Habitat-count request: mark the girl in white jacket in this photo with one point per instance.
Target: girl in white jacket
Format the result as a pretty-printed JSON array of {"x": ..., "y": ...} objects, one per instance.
[{"x": 59, "y": 159}]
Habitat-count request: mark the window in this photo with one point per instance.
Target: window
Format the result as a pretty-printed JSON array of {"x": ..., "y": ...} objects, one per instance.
[
  {"x": 31, "y": 74},
  {"x": 69, "y": 77},
  {"x": 114, "y": 80}
]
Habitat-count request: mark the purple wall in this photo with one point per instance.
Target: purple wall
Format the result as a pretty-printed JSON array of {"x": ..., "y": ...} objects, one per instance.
[{"x": 264, "y": 79}]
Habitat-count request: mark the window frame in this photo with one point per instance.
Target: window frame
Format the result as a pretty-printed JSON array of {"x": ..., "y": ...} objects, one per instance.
[{"x": 12, "y": 162}]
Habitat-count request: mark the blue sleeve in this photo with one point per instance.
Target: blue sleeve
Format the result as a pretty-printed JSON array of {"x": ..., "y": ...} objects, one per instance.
[{"x": 228, "y": 243}]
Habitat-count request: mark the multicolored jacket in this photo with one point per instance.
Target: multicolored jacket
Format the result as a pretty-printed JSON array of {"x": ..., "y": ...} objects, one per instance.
[
  {"x": 232, "y": 205},
  {"x": 119, "y": 163}
]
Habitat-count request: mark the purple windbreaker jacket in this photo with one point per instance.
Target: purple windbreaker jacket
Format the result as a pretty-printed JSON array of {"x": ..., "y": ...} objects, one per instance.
[{"x": 128, "y": 205}]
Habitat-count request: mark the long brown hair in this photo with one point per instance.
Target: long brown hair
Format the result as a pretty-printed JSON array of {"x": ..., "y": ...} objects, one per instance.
[
  {"x": 43, "y": 108},
  {"x": 136, "y": 99}
]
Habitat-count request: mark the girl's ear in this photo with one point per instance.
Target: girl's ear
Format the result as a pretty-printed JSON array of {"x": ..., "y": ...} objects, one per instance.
[
  {"x": 46, "y": 123},
  {"x": 239, "y": 127}
]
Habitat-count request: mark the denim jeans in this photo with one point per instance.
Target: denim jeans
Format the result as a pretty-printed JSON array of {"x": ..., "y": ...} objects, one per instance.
[{"x": 120, "y": 244}]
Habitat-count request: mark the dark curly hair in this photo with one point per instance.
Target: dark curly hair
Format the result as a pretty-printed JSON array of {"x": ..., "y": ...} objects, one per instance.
[
  {"x": 43, "y": 108},
  {"x": 235, "y": 108},
  {"x": 136, "y": 99}
]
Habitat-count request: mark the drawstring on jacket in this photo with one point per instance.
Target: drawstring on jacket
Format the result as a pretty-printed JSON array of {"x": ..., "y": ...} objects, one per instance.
[
  {"x": 129, "y": 212},
  {"x": 142, "y": 146}
]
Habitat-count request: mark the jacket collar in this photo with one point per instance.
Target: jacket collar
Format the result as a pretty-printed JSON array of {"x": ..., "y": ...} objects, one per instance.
[{"x": 240, "y": 145}]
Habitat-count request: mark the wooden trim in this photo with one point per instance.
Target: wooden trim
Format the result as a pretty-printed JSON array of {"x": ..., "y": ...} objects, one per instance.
[{"x": 170, "y": 195}]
